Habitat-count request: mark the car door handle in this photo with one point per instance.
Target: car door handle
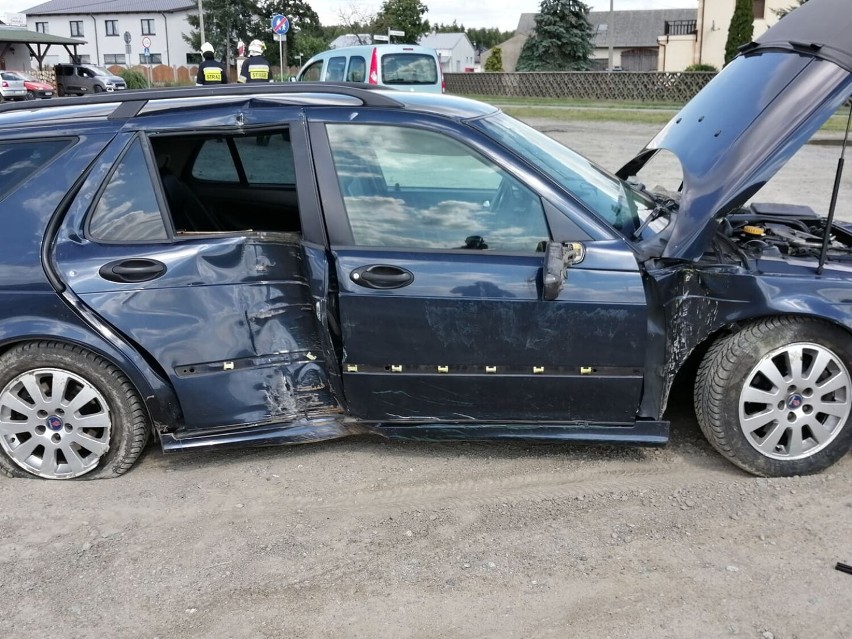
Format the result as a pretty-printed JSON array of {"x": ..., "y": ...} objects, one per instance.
[
  {"x": 382, "y": 276},
  {"x": 132, "y": 271}
]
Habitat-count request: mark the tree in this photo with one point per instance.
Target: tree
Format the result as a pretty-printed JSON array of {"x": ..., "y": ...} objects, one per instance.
[
  {"x": 488, "y": 38},
  {"x": 304, "y": 36},
  {"x": 783, "y": 12},
  {"x": 741, "y": 30},
  {"x": 562, "y": 40},
  {"x": 495, "y": 60},
  {"x": 402, "y": 15},
  {"x": 225, "y": 22}
]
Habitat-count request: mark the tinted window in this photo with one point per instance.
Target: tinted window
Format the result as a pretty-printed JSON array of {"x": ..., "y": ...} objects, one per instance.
[
  {"x": 266, "y": 160},
  {"x": 409, "y": 68},
  {"x": 127, "y": 210},
  {"x": 19, "y": 160},
  {"x": 336, "y": 68},
  {"x": 313, "y": 72},
  {"x": 357, "y": 69},
  {"x": 408, "y": 188}
]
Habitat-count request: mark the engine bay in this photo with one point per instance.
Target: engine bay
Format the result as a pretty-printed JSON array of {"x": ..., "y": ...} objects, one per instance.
[{"x": 778, "y": 230}]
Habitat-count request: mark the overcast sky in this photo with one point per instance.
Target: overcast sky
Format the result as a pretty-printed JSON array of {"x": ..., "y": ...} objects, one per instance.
[{"x": 503, "y": 14}]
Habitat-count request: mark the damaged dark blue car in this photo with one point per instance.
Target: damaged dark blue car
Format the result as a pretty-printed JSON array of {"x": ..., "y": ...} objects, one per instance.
[{"x": 268, "y": 265}]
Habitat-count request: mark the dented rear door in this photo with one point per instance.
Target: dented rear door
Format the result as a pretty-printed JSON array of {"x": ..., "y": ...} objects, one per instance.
[{"x": 227, "y": 317}]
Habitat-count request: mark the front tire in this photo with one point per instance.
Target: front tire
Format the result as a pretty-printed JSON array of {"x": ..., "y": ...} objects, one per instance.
[
  {"x": 776, "y": 397},
  {"x": 66, "y": 413}
]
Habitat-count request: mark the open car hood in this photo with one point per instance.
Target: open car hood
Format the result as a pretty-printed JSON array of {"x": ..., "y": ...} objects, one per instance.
[{"x": 753, "y": 117}]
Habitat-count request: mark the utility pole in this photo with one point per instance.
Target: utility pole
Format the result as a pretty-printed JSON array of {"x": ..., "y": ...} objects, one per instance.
[
  {"x": 609, "y": 30},
  {"x": 201, "y": 22}
]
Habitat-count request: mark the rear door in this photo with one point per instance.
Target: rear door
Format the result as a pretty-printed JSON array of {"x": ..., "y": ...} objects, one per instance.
[
  {"x": 438, "y": 244},
  {"x": 226, "y": 316}
]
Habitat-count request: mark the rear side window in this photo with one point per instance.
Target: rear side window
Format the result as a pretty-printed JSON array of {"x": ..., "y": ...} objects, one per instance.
[
  {"x": 357, "y": 69},
  {"x": 313, "y": 72},
  {"x": 128, "y": 210},
  {"x": 409, "y": 68},
  {"x": 266, "y": 159},
  {"x": 336, "y": 69},
  {"x": 19, "y": 160}
]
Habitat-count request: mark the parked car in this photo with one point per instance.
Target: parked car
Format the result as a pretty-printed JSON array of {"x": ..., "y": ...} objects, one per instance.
[
  {"x": 11, "y": 87},
  {"x": 430, "y": 268},
  {"x": 83, "y": 79},
  {"x": 404, "y": 67},
  {"x": 35, "y": 88}
]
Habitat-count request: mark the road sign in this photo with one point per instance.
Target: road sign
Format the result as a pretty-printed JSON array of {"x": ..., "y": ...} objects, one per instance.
[
  {"x": 280, "y": 24},
  {"x": 146, "y": 42},
  {"x": 391, "y": 32},
  {"x": 381, "y": 38},
  {"x": 146, "y": 51},
  {"x": 127, "y": 37}
]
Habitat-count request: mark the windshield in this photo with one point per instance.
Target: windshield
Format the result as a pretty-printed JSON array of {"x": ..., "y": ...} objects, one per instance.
[
  {"x": 613, "y": 200},
  {"x": 20, "y": 75},
  {"x": 98, "y": 70}
]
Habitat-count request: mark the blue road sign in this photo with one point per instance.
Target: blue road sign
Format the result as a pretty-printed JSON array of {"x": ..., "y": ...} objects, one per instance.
[{"x": 280, "y": 24}]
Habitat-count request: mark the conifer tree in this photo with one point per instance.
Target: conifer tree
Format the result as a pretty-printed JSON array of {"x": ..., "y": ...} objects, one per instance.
[{"x": 562, "y": 40}]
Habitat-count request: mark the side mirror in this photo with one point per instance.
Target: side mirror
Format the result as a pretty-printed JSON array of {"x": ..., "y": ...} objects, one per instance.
[{"x": 557, "y": 257}]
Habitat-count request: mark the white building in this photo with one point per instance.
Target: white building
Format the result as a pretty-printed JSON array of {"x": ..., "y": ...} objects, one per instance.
[
  {"x": 455, "y": 51},
  {"x": 116, "y": 31}
]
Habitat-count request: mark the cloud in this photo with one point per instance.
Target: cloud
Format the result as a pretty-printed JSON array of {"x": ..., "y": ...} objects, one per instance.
[{"x": 503, "y": 14}]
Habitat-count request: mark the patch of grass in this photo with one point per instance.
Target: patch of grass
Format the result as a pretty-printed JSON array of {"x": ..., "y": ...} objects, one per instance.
[
  {"x": 591, "y": 115},
  {"x": 564, "y": 102}
]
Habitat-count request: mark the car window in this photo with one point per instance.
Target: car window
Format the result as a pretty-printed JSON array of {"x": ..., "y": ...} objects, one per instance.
[
  {"x": 409, "y": 188},
  {"x": 265, "y": 159},
  {"x": 19, "y": 160},
  {"x": 409, "y": 68},
  {"x": 336, "y": 68},
  {"x": 357, "y": 69},
  {"x": 313, "y": 72},
  {"x": 127, "y": 210}
]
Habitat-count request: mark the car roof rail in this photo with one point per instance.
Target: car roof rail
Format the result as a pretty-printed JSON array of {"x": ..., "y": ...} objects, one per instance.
[{"x": 131, "y": 101}]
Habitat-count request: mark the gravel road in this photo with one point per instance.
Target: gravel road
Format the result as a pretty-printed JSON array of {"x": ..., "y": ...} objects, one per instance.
[{"x": 364, "y": 538}]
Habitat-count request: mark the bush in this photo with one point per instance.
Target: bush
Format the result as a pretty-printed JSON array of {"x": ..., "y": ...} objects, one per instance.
[
  {"x": 495, "y": 60},
  {"x": 134, "y": 79},
  {"x": 700, "y": 68}
]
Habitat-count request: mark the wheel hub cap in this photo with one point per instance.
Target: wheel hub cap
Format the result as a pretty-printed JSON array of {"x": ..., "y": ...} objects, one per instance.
[
  {"x": 54, "y": 423},
  {"x": 795, "y": 401}
]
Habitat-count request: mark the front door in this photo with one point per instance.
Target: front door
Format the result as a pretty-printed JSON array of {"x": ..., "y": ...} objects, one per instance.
[{"x": 438, "y": 252}]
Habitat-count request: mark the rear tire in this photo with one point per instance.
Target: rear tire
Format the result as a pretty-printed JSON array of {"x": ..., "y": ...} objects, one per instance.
[
  {"x": 66, "y": 413},
  {"x": 30, "y": 95},
  {"x": 776, "y": 397}
]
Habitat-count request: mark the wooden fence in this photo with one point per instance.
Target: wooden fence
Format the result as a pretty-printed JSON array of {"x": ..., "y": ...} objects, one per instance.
[{"x": 585, "y": 85}]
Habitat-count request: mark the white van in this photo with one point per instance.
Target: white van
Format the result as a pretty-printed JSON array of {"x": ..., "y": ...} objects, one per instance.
[{"x": 405, "y": 67}]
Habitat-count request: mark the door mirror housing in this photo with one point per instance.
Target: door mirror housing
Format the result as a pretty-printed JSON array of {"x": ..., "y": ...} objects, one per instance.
[{"x": 558, "y": 257}]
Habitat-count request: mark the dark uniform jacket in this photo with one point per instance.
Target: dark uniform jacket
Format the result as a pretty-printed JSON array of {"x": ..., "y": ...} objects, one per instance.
[
  {"x": 211, "y": 72},
  {"x": 255, "y": 69}
]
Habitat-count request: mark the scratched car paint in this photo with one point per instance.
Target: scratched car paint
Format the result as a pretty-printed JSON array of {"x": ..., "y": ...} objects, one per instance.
[{"x": 238, "y": 266}]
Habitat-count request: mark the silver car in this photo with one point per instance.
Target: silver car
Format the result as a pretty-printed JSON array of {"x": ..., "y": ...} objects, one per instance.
[{"x": 11, "y": 87}]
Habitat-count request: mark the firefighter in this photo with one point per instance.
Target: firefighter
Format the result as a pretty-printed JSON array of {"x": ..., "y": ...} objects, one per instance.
[
  {"x": 255, "y": 67},
  {"x": 210, "y": 71}
]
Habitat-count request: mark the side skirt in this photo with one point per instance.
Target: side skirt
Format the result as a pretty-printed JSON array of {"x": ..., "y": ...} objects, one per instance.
[{"x": 642, "y": 433}]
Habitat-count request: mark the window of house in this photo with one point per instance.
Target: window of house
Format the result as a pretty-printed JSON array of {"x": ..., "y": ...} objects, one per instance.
[
  {"x": 114, "y": 58},
  {"x": 76, "y": 28},
  {"x": 410, "y": 188},
  {"x": 148, "y": 26},
  {"x": 85, "y": 58},
  {"x": 193, "y": 58},
  {"x": 759, "y": 9},
  {"x": 151, "y": 58},
  {"x": 41, "y": 27},
  {"x": 127, "y": 210}
]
